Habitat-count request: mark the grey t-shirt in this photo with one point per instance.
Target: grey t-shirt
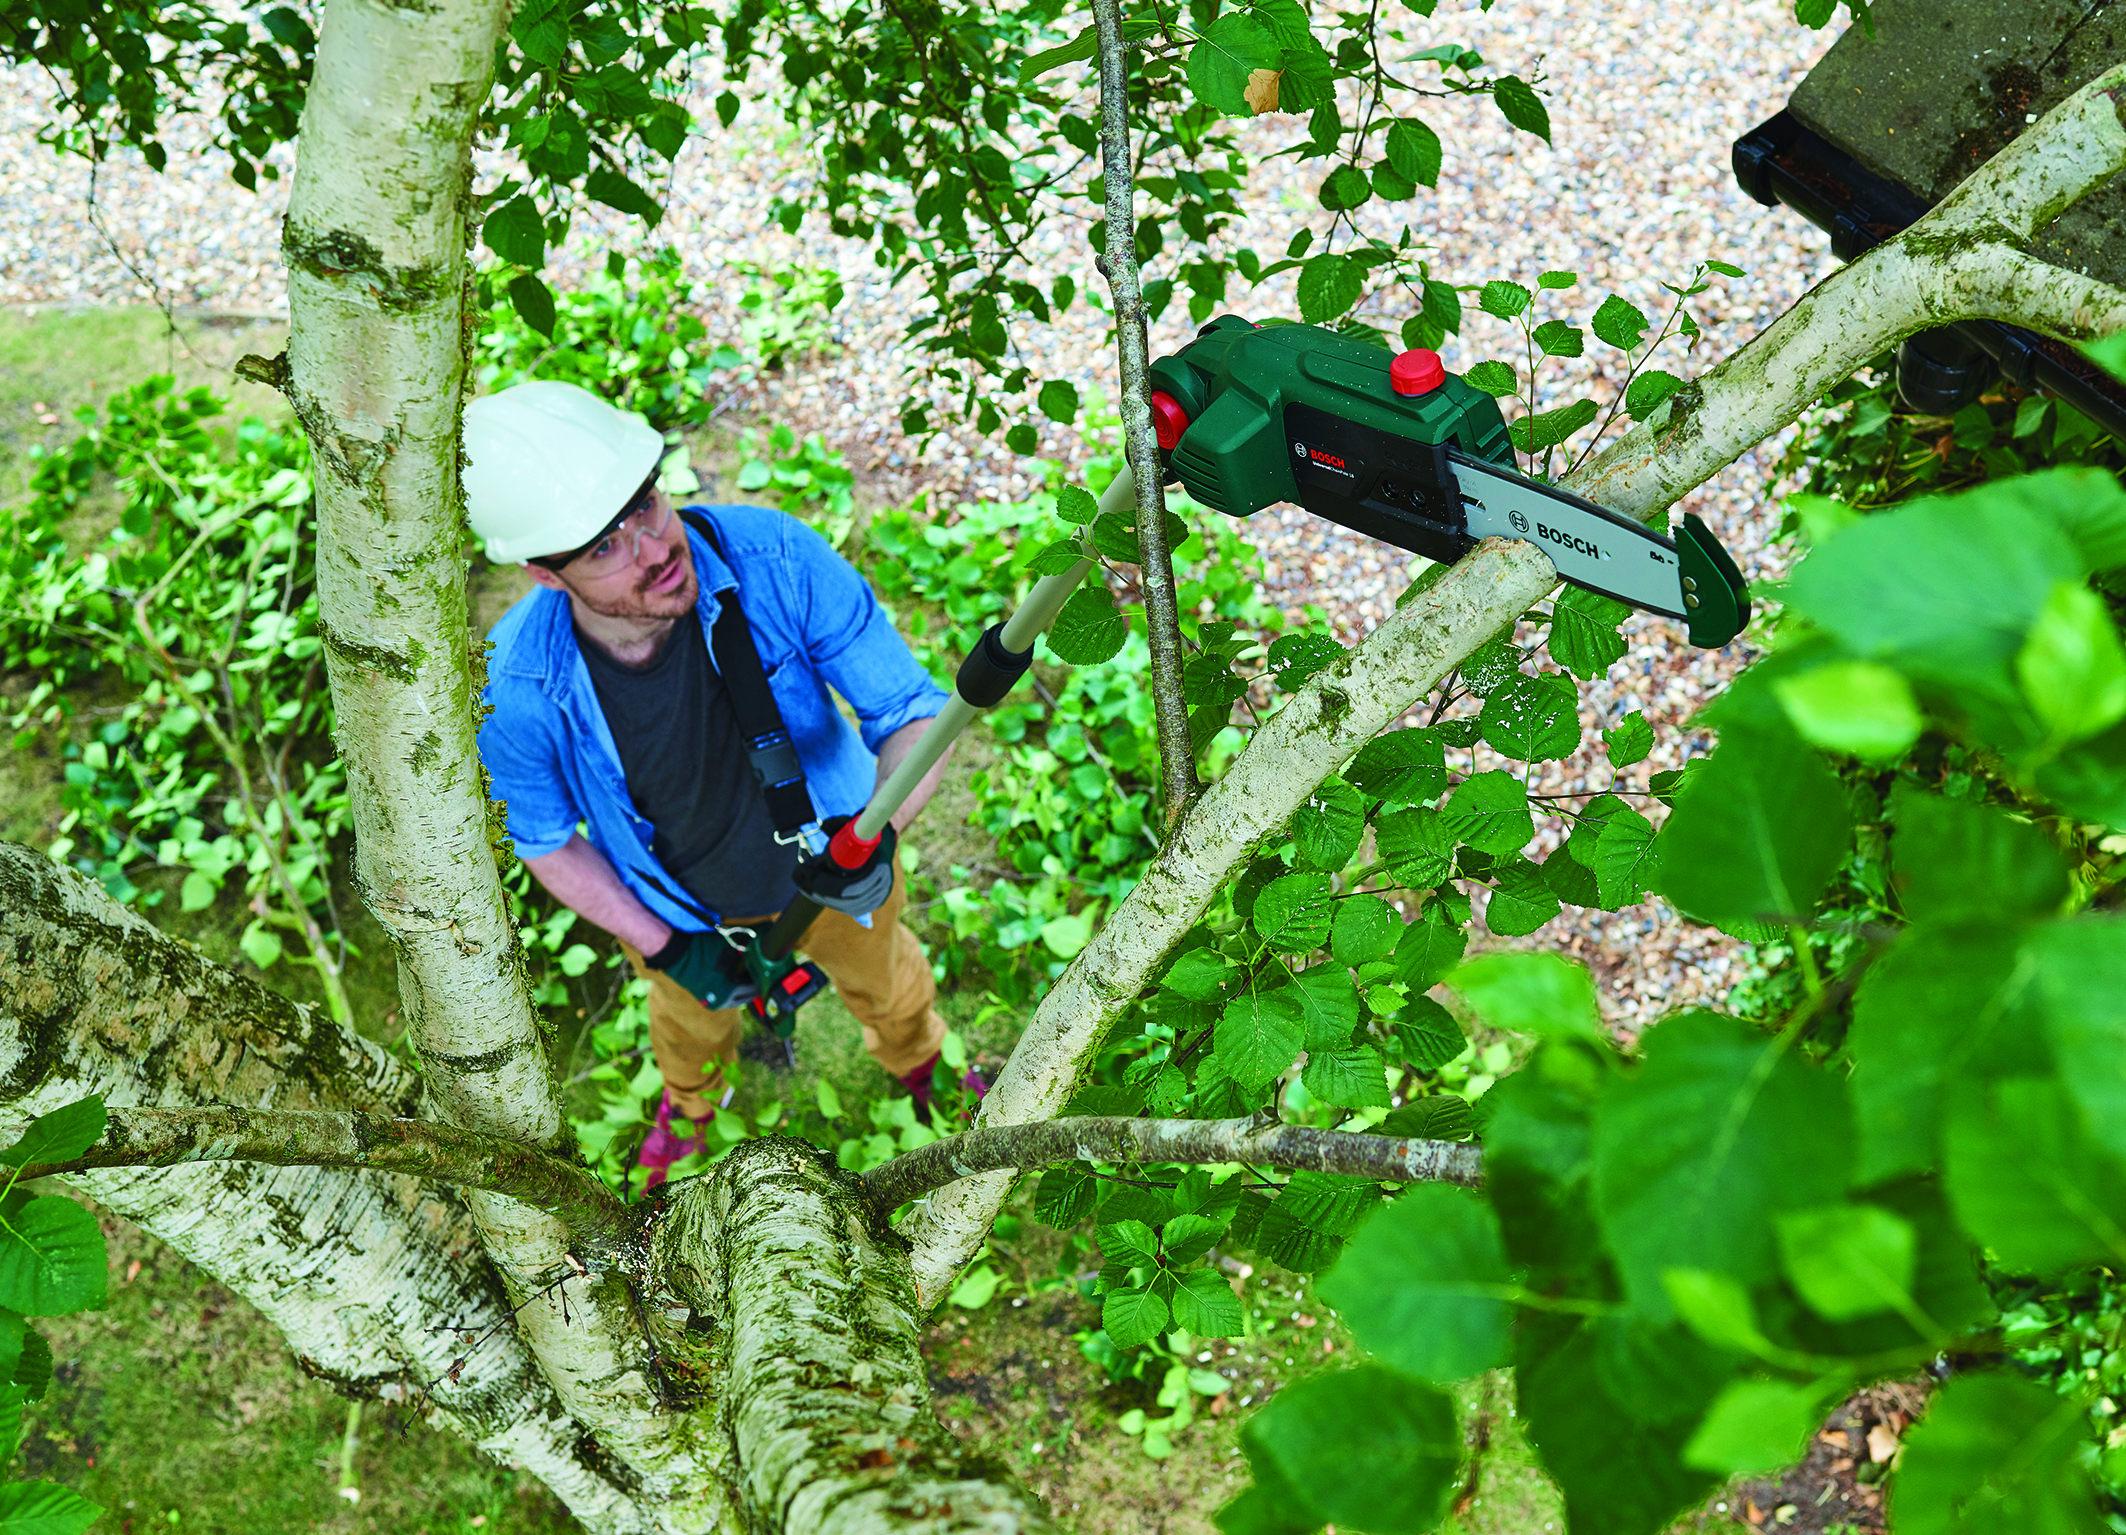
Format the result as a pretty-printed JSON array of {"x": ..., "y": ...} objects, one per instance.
[{"x": 685, "y": 761}]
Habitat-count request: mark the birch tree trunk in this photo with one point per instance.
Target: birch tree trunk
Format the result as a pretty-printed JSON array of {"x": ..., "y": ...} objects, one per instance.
[{"x": 375, "y": 243}]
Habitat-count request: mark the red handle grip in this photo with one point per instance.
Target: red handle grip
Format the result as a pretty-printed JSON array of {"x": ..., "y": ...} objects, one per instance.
[{"x": 847, "y": 849}]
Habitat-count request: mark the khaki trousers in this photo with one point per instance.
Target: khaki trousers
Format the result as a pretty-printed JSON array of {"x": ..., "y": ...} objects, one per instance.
[{"x": 879, "y": 972}]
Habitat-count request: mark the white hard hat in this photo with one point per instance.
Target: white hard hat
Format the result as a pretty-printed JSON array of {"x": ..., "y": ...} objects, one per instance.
[{"x": 550, "y": 466}]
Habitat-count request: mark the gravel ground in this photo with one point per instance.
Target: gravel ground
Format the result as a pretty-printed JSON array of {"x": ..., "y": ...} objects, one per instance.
[{"x": 1634, "y": 191}]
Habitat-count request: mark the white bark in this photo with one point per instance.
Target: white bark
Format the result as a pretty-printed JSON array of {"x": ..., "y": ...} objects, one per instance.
[
  {"x": 1961, "y": 262},
  {"x": 356, "y": 1268},
  {"x": 808, "y": 1311},
  {"x": 375, "y": 243}
]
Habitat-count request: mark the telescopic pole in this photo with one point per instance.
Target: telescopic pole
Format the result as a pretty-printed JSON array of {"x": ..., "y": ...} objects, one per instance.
[{"x": 997, "y": 661}]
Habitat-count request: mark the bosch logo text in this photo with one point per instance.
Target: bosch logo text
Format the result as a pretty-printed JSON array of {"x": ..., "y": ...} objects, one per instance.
[
  {"x": 1330, "y": 459},
  {"x": 1569, "y": 541}
]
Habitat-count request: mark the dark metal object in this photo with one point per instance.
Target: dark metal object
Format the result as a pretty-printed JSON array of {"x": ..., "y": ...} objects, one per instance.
[{"x": 1783, "y": 161}]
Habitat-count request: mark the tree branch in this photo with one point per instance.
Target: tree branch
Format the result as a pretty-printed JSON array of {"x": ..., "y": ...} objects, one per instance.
[
  {"x": 1261, "y": 1141},
  {"x": 1698, "y": 430},
  {"x": 596, "y": 1218},
  {"x": 1140, "y": 444}
]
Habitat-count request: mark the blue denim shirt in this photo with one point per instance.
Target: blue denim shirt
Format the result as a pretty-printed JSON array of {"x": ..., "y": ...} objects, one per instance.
[{"x": 817, "y": 626}]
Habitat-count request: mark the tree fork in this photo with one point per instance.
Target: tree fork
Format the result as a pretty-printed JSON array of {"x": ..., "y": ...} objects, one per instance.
[
  {"x": 2078, "y": 147},
  {"x": 1140, "y": 444}
]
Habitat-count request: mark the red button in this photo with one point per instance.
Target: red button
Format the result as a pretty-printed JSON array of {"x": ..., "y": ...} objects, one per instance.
[
  {"x": 1169, "y": 420},
  {"x": 1418, "y": 372}
]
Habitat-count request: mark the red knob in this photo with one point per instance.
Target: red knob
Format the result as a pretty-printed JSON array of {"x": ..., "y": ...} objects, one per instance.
[
  {"x": 1169, "y": 420},
  {"x": 1418, "y": 372},
  {"x": 847, "y": 849}
]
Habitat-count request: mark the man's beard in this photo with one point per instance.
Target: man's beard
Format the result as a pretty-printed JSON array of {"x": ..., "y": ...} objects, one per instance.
[{"x": 641, "y": 602}]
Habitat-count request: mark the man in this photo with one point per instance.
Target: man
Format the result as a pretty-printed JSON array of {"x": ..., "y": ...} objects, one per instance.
[{"x": 612, "y": 690}]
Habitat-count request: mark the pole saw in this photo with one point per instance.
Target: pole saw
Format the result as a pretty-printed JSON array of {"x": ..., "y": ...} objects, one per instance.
[{"x": 1395, "y": 448}]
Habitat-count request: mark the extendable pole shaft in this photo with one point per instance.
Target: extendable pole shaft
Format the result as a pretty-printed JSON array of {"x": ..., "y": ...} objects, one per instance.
[{"x": 1015, "y": 636}]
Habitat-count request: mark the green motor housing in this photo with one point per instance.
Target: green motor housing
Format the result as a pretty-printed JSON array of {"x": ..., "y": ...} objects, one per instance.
[{"x": 1265, "y": 412}]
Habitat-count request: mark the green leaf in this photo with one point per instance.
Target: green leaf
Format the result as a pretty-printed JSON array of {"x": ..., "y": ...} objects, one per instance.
[
  {"x": 1345, "y": 188},
  {"x": 1058, "y": 400},
  {"x": 1327, "y": 829},
  {"x": 616, "y": 191},
  {"x": 1393, "y": 1479},
  {"x": 2109, "y": 353},
  {"x": 1259, "y": 1034},
  {"x": 1293, "y": 912},
  {"x": 1648, "y": 389},
  {"x": 1719, "y": 1131},
  {"x": 1328, "y": 286},
  {"x": 51, "y": 1258},
  {"x": 44, "y": 1508},
  {"x": 1938, "y": 1007},
  {"x": 2027, "y": 1179},
  {"x": 1084, "y": 46},
  {"x": 1422, "y": 1286},
  {"x": 1428, "y": 1034},
  {"x": 33, "y": 1368},
  {"x": 1717, "y": 1307},
  {"x": 1619, "y": 323},
  {"x": 1414, "y": 151},
  {"x": 1402, "y": 767},
  {"x": 1848, "y": 1260},
  {"x": 1132, "y": 1317},
  {"x": 60, "y": 1136},
  {"x": 1189, "y": 1236},
  {"x": 1522, "y": 106},
  {"x": 1364, "y": 930},
  {"x": 196, "y": 894},
  {"x": 1583, "y": 632},
  {"x": 1418, "y": 846},
  {"x": 1972, "y": 574},
  {"x": 1557, "y": 339},
  {"x": 1952, "y": 861},
  {"x": 1201, "y": 975},
  {"x": 1546, "y": 429},
  {"x": 533, "y": 302},
  {"x": 260, "y": 945},
  {"x": 1627, "y": 857},
  {"x": 1628, "y": 740},
  {"x": 1490, "y": 812},
  {"x": 1857, "y": 707},
  {"x": 1328, "y": 1003},
  {"x": 1205, "y": 1305},
  {"x": 1533, "y": 719},
  {"x": 1541, "y": 994},
  {"x": 1219, "y": 67},
  {"x": 1504, "y": 300},
  {"x": 1494, "y": 378},
  {"x": 2071, "y": 667},
  {"x": 1296, "y": 657},
  {"x": 1353, "y": 1077},
  {"x": 1088, "y": 630},
  {"x": 1995, "y": 1455},
  {"x": 1131, "y": 1243},
  {"x": 1621, "y": 1474},
  {"x": 1064, "y": 1196},
  {"x": 2081, "y": 995},
  {"x": 1521, "y": 898},
  {"x": 1429, "y": 948},
  {"x": 1074, "y": 503},
  {"x": 1488, "y": 668},
  {"x": 1445, "y": 1118},
  {"x": 515, "y": 232},
  {"x": 1756, "y": 833},
  {"x": 1757, "y": 1426}
]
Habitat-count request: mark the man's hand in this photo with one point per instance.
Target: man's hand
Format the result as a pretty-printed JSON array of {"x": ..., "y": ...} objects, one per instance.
[
  {"x": 859, "y": 891},
  {"x": 706, "y": 966}
]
